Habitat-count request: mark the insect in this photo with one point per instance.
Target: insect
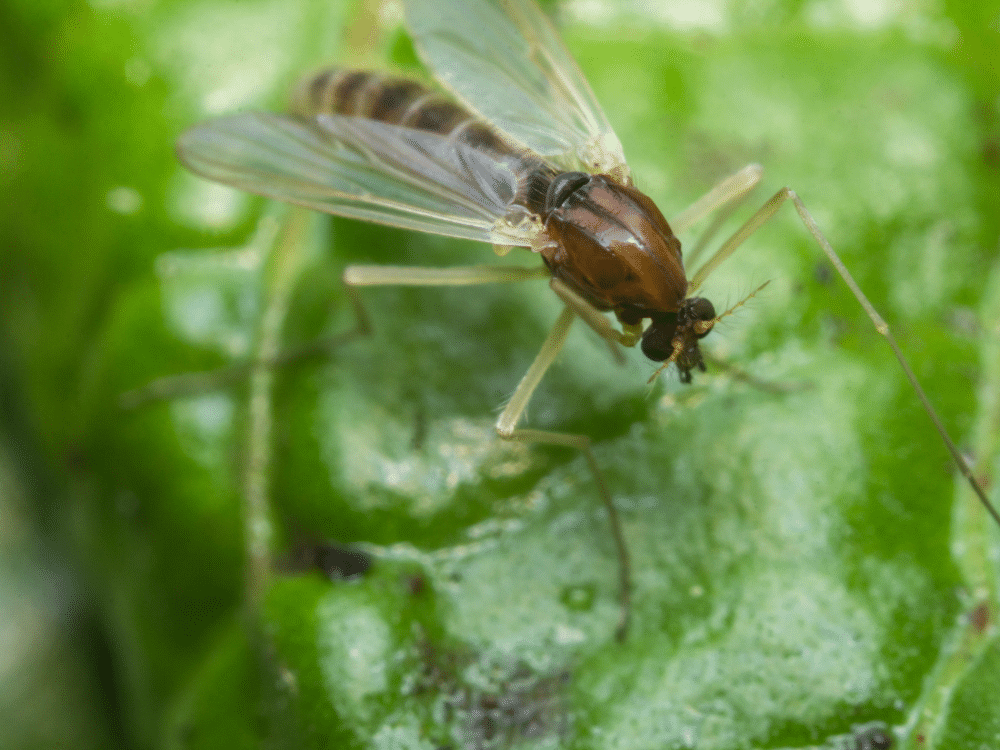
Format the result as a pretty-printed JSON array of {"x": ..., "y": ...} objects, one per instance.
[{"x": 515, "y": 152}]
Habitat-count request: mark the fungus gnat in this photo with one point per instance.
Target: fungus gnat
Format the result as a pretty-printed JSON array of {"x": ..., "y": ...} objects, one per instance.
[{"x": 513, "y": 150}]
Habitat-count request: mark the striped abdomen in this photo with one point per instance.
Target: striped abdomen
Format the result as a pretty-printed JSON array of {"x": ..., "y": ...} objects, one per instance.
[
  {"x": 600, "y": 237},
  {"x": 402, "y": 101}
]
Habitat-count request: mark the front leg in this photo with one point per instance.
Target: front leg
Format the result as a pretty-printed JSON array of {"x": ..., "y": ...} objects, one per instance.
[
  {"x": 598, "y": 321},
  {"x": 754, "y": 223}
]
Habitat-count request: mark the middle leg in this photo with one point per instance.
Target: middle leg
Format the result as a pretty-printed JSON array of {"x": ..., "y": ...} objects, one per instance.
[{"x": 506, "y": 428}]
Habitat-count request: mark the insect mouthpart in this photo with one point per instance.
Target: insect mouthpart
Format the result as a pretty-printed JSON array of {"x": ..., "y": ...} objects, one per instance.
[{"x": 674, "y": 336}]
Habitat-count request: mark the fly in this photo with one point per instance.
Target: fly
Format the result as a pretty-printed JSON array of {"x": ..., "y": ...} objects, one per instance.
[{"x": 515, "y": 151}]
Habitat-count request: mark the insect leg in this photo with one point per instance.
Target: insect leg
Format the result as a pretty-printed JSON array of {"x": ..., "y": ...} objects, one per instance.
[
  {"x": 452, "y": 276},
  {"x": 753, "y": 224},
  {"x": 506, "y": 429},
  {"x": 191, "y": 383},
  {"x": 175, "y": 386},
  {"x": 355, "y": 276},
  {"x": 596, "y": 320},
  {"x": 883, "y": 328},
  {"x": 722, "y": 200},
  {"x": 727, "y": 192},
  {"x": 592, "y": 316}
]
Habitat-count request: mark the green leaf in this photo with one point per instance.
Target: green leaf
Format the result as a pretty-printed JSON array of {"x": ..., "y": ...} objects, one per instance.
[{"x": 808, "y": 566}]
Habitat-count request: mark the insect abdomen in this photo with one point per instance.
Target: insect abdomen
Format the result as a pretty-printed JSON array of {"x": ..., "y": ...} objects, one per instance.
[{"x": 397, "y": 101}]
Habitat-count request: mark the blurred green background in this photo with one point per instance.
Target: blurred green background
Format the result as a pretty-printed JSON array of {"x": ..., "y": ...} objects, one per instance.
[{"x": 807, "y": 566}]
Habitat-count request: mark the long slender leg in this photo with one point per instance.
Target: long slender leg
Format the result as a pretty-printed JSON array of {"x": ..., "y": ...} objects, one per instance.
[
  {"x": 355, "y": 276},
  {"x": 192, "y": 383},
  {"x": 451, "y": 276},
  {"x": 738, "y": 237},
  {"x": 597, "y": 321},
  {"x": 506, "y": 424},
  {"x": 768, "y": 210},
  {"x": 506, "y": 429},
  {"x": 721, "y": 216},
  {"x": 177, "y": 386},
  {"x": 883, "y": 328},
  {"x": 727, "y": 192}
]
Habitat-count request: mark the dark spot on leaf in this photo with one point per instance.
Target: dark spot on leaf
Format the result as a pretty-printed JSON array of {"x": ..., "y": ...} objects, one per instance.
[{"x": 336, "y": 561}]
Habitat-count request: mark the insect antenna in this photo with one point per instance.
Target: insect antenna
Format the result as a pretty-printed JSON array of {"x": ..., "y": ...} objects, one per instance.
[{"x": 703, "y": 327}]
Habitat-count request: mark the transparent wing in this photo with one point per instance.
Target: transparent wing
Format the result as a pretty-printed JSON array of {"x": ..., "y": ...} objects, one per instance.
[
  {"x": 363, "y": 169},
  {"x": 504, "y": 59}
]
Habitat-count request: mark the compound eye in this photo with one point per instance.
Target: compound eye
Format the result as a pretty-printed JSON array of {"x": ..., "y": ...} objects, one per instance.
[
  {"x": 702, "y": 313},
  {"x": 701, "y": 308},
  {"x": 657, "y": 341},
  {"x": 563, "y": 186}
]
